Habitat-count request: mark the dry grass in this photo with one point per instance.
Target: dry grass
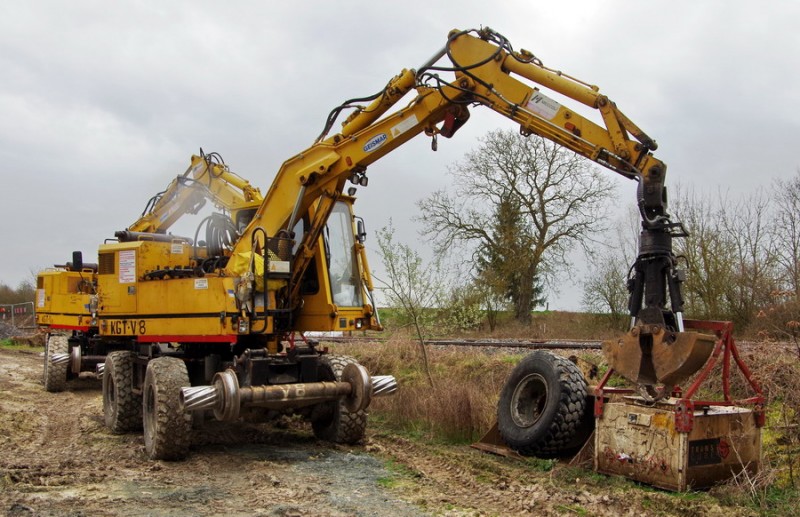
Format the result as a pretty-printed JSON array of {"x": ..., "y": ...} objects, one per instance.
[
  {"x": 555, "y": 325},
  {"x": 461, "y": 404}
]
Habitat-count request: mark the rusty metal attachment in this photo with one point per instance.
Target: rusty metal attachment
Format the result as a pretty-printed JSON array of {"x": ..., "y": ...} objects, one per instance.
[
  {"x": 360, "y": 384},
  {"x": 681, "y": 365},
  {"x": 650, "y": 355},
  {"x": 225, "y": 397}
]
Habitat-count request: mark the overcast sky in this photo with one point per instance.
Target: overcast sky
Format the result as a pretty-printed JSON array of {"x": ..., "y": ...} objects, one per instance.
[{"x": 102, "y": 103}]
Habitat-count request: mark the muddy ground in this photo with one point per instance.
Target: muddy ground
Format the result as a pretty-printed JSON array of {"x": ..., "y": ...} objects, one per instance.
[{"x": 57, "y": 458}]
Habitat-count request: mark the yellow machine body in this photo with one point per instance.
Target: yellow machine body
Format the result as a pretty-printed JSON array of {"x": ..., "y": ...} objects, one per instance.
[
  {"x": 63, "y": 299},
  {"x": 150, "y": 290},
  {"x": 225, "y": 309}
]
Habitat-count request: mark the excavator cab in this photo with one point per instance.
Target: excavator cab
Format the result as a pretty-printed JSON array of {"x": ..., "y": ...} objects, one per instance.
[{"x": 337, "y": 289}]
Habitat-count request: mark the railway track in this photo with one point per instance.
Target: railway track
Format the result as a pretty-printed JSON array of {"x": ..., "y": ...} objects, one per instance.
[
  {"x": 543, "y": 344},
  {"x": 534, "y": 344}
]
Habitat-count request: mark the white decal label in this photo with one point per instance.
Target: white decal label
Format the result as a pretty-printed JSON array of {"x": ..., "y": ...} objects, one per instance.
[
  {"x": 543, "y": 105},
  {"x": 279, "y": 266},
  {"x": 127, "y": 266},
  {"x": 375, "y": 142},
  {"x": 404, "y": 126},
  {"x": 40, "y": 297},
  {"x": 177, "y": 248},
  {"x": 166, "y": 214},
  {"x": 201, "y": 283}
]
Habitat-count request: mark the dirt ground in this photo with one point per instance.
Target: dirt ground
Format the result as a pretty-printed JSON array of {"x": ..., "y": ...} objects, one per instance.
[{"x": 57, "y": 458}]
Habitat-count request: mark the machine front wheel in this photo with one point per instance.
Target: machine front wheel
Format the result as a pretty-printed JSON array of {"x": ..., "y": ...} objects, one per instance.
[
  {"x": 167, "y": 427},
  {"x": 333, "y": 422},
  {"x": 55, "y": 364},
  {"x": 122, "y": 408}
]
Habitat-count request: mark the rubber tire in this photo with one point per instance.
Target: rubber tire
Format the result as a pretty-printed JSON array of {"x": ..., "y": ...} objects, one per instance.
[
  {"x": 337, "y": 424},
  {"x": 122, "y": 408},
  {"x": 55, "y": 375},
  {"x": 557, "y": 391},
  {"x": 167, "y": 427}
]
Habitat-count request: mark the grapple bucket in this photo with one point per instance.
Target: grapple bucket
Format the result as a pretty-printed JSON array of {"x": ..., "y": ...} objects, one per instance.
[{"x": 658, "y": 357}]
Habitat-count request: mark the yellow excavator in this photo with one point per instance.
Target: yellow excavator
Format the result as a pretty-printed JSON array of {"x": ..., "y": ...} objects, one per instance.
[
  {"x": 217, "y": 325},
  {"x": 66, "y": 296}
]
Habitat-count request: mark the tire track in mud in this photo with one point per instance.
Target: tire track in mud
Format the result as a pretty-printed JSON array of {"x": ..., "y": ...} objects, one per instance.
[{"x": 56, "y": 458}]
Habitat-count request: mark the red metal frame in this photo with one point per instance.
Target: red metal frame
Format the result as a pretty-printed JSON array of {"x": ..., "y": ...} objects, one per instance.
[{"x": 685, "y": 406}]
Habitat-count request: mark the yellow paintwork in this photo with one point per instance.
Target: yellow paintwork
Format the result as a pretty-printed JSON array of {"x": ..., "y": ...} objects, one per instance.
[
  {"x": 130, "y": 304},
  {"x": 309, "y": 184},
  {"x": 187, "y": 193},
  {"x": 63, "y": 299},
  {"x": 314, "y": 179},
  {"x": 59, "y": 305},
  {"x": 141, "y": 304}
]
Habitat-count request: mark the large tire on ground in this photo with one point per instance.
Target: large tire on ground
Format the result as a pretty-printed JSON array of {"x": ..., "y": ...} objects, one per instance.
[
  {"x": 332, "y": 421},
  {"x": 542, "y": 406},
  {"x": 122, "y": 408},
  {"x": 167, "y": 427},
  {"x": 55, "y": 374}
]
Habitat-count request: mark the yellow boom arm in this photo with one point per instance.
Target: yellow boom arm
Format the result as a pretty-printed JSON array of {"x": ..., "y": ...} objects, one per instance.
[
  {"x": 206, "y": 178},
  {"x": 485, "y": 70}
]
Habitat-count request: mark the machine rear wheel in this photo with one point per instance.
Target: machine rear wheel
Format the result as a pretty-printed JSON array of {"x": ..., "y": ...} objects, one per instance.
[
  {"x": 167, "y": 427},
  {"x": 55, "y": 367},
  {"x": 122, "y": 408},
  {"x": 334, "y": 422},
  {"x": 542, "y": 405}
]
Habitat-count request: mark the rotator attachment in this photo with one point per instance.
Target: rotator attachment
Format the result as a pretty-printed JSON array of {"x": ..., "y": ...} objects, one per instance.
[
  {"x": 657, "y": 349},
  {"x": 225, "y": 397}
]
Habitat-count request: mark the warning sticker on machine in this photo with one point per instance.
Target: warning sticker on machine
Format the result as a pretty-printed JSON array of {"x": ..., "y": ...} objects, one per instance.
[
  {"x": 40, "y": 297},
  {"x": 177, "y": 248},
  {"x": 404, "y": 125},
  {"x": 201, "y": 283},
  {"x": 127, "y": 266},
  {"x": 279, "y": 266},
  {"x": 543, "y": 105}
]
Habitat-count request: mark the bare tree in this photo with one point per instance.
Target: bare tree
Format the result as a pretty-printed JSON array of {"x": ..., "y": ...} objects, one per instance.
[
  {"x": 786, "y": 231},
  {"x": 729, "y": 255},
  {"x": 605, "y": 285},
  {"x": 707, "y": 252},
  {"x": 746, "y": 223},
  {"x": 412, "y": 287},
  {"x": 560, "y": 200}
]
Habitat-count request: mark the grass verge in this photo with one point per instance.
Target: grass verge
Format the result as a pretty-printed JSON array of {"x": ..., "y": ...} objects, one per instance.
[{"x": 460, "y": 406}]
